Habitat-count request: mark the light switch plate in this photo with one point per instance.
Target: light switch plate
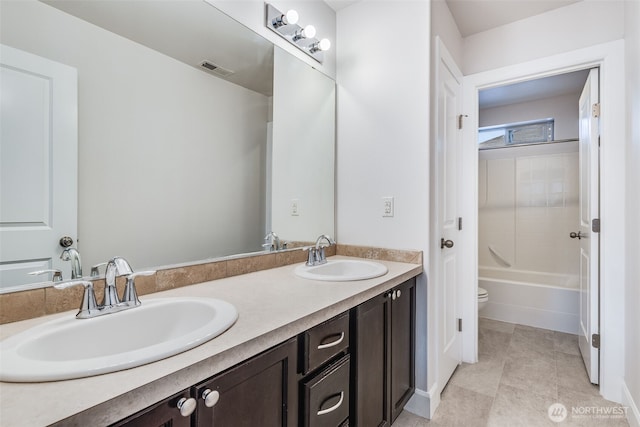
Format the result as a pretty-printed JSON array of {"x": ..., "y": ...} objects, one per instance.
[
  {"x": 387, "y": 206},
  {"x": 295, "y": 207}
]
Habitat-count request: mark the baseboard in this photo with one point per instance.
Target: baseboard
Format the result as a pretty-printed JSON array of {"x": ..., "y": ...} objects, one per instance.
[
  {"x": 633, "y": 414},
  {"x": 423, "y": 403}
]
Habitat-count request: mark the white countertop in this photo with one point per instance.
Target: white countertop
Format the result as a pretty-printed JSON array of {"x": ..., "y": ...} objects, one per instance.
[{"x": 273, "y": 305}]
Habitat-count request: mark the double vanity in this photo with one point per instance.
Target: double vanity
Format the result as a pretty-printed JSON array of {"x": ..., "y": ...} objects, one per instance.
[{"x": 310, "y": 345}]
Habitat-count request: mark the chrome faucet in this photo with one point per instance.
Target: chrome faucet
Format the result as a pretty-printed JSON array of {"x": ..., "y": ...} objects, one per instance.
[
  {"x": 317, "y": 254},
  {"x": 274, "y": 243},
  {"x": 88, "y": 307},
  {"x": 72, "y": 254},
  {"x": 117, "y": 266},
  {"x": 95, "y": 269}
]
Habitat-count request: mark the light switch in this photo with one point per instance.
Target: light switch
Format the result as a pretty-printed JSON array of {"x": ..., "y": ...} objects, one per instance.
[
  {"x": 295, "y": 207},
  {"x": 387, "y": 206}
]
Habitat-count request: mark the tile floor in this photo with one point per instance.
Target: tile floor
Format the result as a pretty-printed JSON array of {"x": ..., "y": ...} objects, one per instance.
[{"x": 520, "y": 373}]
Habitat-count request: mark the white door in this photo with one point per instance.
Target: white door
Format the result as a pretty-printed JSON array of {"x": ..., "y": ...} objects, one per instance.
[
  {"x": 38, "y": 165},
  {"x": 588, "y": 232},
  {"x": 447, "y": 262}
]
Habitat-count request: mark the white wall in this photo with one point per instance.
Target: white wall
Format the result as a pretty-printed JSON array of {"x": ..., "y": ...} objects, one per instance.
[
  {"x": 154, "y": 134},
  {"x": 444, "y": 26},
  {"x": 578, "y": 25},
  {"x": 383, "y": 134},
  {"x": 632, "y": 297},
  {"x": 316, "y": 12},
  {"x": 563, "y": 108}
]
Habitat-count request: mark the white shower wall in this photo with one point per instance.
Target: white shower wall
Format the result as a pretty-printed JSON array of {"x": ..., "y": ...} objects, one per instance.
[{"x": 528, "y": 205}]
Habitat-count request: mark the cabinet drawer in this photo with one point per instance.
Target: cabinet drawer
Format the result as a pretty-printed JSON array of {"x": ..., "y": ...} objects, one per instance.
[
  {"x": 323, "y": 342},
  {"x": 326, "y": 396}
]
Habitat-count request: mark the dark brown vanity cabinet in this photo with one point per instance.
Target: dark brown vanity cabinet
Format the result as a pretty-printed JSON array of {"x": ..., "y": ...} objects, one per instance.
[
  {"x": 164, "y": 413},
  {"x": 259, "y": 392},
  {"x": 325, "y": 396},
  {"x": 262, "y": 391},
  {"x": 355, "y": 369},
  {"x": 325, "y": 362},
  {"x": 383, "y": 351}
]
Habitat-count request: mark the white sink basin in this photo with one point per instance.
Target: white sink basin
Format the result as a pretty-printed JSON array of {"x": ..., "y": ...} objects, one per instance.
[
  {"x": 342, "y": 270},
  {"x": 72, "y": 348}
]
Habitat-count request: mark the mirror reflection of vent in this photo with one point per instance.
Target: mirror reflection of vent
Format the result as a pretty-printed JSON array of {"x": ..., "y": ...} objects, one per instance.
[{"x": 215, "y": 69}]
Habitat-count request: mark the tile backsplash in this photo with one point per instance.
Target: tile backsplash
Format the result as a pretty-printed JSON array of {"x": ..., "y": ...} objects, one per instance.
[{"x": 39, "y": 302}]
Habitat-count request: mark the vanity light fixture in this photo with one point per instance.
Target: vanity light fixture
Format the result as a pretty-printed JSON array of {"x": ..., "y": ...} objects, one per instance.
[
  {"x": 289, "y": 18},
  {"x": 307, "y": 32},
  {"x": 303, "y": 37},
  {"x": 322, "y": 45}
]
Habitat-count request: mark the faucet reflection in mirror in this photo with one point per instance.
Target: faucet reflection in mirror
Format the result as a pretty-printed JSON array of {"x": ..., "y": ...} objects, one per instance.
[
  {"x": 302, "y": 37},
  {"x": 274, "y": 243},
  {"x": 111, "y": 303},
  {"x": 72, "y": 254},
  {"x": 69, "y": 254},
  {"x": 56, "y": 277}
]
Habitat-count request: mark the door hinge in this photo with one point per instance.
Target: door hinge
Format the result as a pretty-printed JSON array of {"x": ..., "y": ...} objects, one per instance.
[
  {"x": 459, "y": 223},
  {"x": 595, "y": 341},
  {"x": 595, "y": 225},
  {"x": 460, "y": 117},
  {"x": 459, "y": 325},
  {"x": 595, "y": 110}
]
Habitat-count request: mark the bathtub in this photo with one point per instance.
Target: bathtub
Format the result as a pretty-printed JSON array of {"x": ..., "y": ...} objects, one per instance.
[{"x": 542, "y": 300}]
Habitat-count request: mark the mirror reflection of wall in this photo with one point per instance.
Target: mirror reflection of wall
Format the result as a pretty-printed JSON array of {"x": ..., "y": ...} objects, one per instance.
[
  {"x": 172, "y": 160},
  {"x": 303, "y": 117}
]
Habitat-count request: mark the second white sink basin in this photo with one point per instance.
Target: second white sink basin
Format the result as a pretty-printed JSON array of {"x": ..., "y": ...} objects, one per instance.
[
  {"x": 71, "y": 348},
  {"x": 342, "y": 270}
]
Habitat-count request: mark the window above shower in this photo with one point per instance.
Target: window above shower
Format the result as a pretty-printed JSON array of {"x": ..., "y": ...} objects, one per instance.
[{"x": 512, "y": 134}]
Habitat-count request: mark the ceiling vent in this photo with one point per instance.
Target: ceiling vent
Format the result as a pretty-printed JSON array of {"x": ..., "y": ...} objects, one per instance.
[{"x": 215, "y": 69}]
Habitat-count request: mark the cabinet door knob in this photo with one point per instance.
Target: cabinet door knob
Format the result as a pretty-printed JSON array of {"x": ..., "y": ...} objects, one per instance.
[
  {"x": 210, "y": 397},
  {"x": 398, "y": 293},
  {"x": 334, "y": 407},
  {"x": 186, "y": 406},
  {"x": 394, "y": 295}
]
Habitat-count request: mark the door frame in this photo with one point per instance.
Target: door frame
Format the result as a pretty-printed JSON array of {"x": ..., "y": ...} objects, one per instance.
[{"x": 609, "y": 57}]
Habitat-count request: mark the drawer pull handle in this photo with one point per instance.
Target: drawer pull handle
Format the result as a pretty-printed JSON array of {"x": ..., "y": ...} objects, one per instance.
[
  {"x": 334, "y": 407},
  {"x": 332, "y": 343}
]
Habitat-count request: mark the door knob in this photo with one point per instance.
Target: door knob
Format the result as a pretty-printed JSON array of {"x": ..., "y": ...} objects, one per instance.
[
  {"x": 573, "y": 235},
  {"x": 446, "y": 243},
  {"x": 66, "y": 241}
]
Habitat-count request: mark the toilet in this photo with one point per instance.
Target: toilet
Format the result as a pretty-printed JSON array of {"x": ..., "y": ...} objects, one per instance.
[{"x": 483, "y": 298}]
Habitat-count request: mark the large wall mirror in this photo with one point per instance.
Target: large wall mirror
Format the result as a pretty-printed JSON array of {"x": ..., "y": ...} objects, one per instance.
[{"x": 177, "y": 162}]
